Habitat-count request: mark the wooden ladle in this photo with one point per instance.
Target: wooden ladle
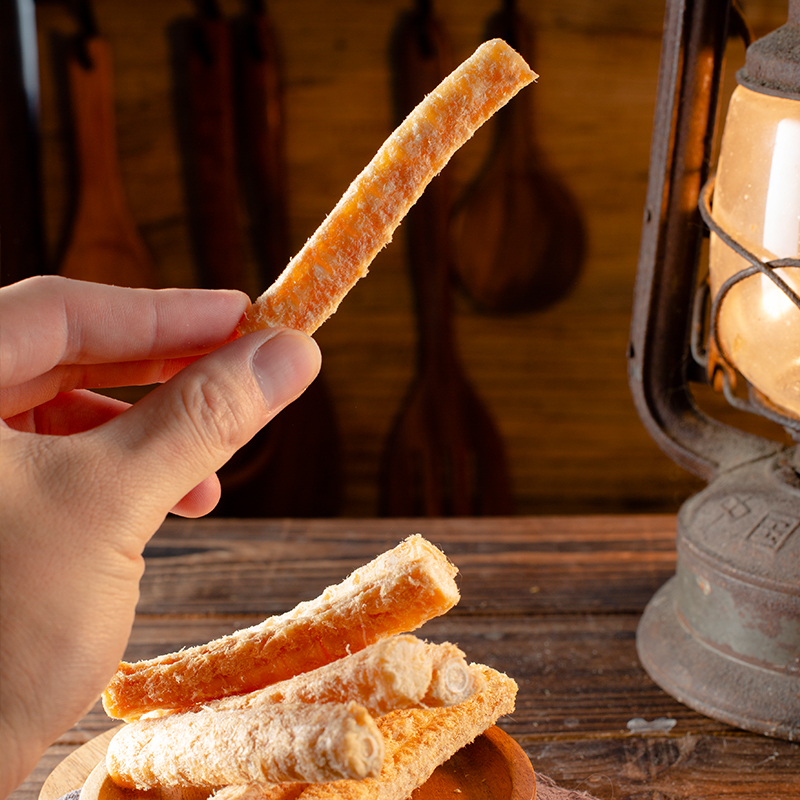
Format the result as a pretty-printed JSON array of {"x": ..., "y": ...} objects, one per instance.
[
  {"x": 204, "y": 89},
  {"x": 296, "y": 459},
  {"x": 104, "y": 245},
  {"x": 519, "y": 239},
  {"x": 230, "y": 75},
  {"x": 444, "y": 456}
]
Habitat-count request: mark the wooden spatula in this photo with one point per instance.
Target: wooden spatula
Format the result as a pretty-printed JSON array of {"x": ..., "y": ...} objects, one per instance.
[
  {"x": 519, "y": 238},
  {"x": 301, "y": 465},
  {"x": 231, "y": 84},
  {"x": 444, "y": 456},
  {"x": 205, "y": 80},
  {"x": 104, "y": 244}
]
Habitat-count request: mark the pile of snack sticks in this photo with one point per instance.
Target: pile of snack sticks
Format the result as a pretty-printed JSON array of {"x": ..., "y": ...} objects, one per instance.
[{"x": 334, "y": 699}]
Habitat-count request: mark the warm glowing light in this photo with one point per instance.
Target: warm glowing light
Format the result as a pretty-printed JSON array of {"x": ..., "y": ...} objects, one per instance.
[{"x": 757, "y": 201}]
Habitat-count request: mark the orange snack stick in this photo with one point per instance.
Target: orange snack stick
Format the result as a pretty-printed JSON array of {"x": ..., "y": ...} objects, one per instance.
[
  {"x": 394, "y": 593},
  {"x": 339, "y": 253}
]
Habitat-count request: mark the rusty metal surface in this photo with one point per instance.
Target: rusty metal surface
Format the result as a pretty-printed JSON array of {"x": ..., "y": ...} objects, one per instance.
[
  {"x": 723, "y": 635},
  {"x": 659, "y": 359},
  {"x": 710, "y": 681}
]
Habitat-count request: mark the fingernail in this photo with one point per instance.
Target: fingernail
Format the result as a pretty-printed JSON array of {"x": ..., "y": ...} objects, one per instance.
[{"x": 284, "y": 366}]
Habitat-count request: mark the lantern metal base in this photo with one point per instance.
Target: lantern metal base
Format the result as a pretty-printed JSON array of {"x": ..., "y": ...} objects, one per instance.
[
  {"x": 739, "y": 694},
  {"x": 723, "y": 635}
]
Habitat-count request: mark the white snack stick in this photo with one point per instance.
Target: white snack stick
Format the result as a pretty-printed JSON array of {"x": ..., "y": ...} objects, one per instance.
[
  {"x": 399, "y": 672},
  {"x": 416, "y": 741},
  {"x": 270, "y": 744},
  {"x": 452, "y": 679}
]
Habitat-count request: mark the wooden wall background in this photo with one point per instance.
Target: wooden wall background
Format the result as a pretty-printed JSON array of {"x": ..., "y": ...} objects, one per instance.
[{"x": 556, "y": 381}]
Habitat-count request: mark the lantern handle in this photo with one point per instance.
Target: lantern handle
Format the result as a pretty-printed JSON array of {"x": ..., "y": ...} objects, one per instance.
[{"x": 660, "y": 363}]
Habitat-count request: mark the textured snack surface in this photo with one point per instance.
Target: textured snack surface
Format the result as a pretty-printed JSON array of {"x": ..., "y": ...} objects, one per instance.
[
  {"x": 394, "y": 593},
  {"x": 417, "y": 741},
  {"x": 339, "y": 253},
  {"x": 452, "y": 679},
  {"x": 398, "y": 672},
  {"x": 286, "y": 742}
]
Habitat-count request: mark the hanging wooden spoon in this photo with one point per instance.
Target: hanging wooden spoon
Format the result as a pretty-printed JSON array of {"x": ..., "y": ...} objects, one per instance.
[
  {"x": 290, "y": 468},
  {"x": 296, "y": 459},
  {"x": 204, "y": 75},
  {"x": 519, "y": 239},
  {"x": 104, "y": 244},
  {"x": 444, "y": 456}
]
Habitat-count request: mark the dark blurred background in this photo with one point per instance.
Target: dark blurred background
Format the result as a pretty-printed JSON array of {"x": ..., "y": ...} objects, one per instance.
[{"x": 554, "y": 379}]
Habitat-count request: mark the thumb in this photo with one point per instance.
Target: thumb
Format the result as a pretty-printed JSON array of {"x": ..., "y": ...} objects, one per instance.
[{"x": 186, "y": 429}]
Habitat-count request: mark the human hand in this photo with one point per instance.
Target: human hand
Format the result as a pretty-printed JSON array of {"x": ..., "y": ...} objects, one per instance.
[{"x": 87, "y": 480}]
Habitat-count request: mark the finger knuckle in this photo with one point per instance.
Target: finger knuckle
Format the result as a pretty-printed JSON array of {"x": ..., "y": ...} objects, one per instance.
[{"x": 213, "y": 416}]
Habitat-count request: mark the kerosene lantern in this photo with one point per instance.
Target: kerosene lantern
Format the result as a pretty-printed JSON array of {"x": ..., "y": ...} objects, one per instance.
[{"x": 723, "y": 635}]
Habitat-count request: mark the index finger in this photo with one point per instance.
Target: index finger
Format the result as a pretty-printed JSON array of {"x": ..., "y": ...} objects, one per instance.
[{"x": 49, "y": 320}]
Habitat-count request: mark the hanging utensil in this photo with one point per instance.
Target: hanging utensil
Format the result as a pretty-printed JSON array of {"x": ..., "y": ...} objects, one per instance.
[
  {"x": 519, "y": 239},
  {"x": 208, "y": 140},
  {"x": 104, "y": 243},
  {"x": 444, "y": 456},
  {"x": 296, "y": 458},
  {"x": 21, "y": 217},
  {"x": 259, "y": 101},
  {"x": 290, "y": 468}
]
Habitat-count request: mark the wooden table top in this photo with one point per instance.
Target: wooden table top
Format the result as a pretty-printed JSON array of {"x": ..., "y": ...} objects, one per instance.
[{"x": 552, "y": 601}]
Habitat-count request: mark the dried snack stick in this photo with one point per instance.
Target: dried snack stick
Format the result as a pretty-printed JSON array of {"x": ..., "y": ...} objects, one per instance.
[
  {"x": 452, "y": 679},
  {"x": 392, "y": 673},
  {"x": 416, "y": 741},
  {"x": 395, "y": 593},
  {"x": 339, "y": 253},
  {"x": 398, "y": 672},
  {"x": 266, "y": 745}
]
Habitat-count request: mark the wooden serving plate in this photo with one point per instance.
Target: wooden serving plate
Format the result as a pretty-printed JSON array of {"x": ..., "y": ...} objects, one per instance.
[{"x": 493, "y": 767}]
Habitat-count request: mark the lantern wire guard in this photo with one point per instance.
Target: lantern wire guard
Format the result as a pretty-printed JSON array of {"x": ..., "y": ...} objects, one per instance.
[
  {"x": 723, "y": 634},
  {"x": 717, "y": 365}
]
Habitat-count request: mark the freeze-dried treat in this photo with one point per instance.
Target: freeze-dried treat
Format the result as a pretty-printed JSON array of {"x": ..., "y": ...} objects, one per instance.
[
  {"x": 398, "y": 672},
  {"x": 395, "y": 593},
  {"x": 339, "y": 253},
  {"x": 318, "y": 742},
  {"x": 452, "y": 679},
  {"x": 416, "y": 741}
]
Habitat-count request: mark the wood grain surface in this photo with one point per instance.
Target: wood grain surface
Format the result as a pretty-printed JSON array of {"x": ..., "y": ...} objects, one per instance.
[
  {"x": 73, "y": 771},
  {"x": 555, "y": 381},
  {"x": 552, "y": 601}
]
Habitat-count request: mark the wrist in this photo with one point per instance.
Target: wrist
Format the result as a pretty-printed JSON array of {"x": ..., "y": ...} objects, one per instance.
[{"x": 11, "y": 761}]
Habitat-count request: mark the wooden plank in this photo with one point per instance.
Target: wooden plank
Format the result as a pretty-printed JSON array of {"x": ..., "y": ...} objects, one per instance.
[
  {"x": 678, "y": 767},
  {"x": 580, "y": 684},
  {"x": 574, "y": 658},
  {"x": 696, "y": 766},
  {"x": 268, "y": 567},
  {"x": 578, "y": 674}
]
